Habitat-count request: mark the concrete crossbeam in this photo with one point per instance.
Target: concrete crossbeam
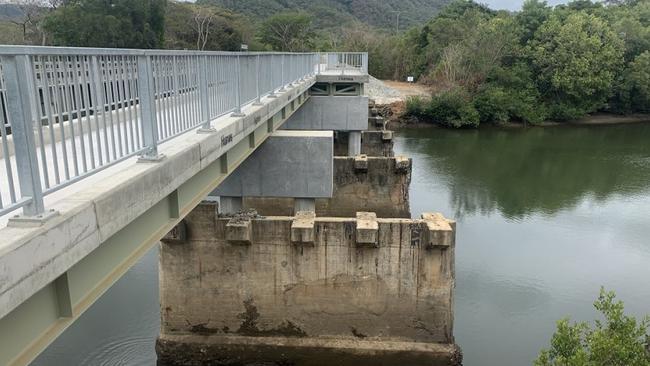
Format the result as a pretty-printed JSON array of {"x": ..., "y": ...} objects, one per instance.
[
  {"x": 333, "y": 113},
  {"x": 296, "y": 164}
]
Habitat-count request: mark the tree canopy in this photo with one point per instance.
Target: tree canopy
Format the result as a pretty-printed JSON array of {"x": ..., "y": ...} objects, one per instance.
[
  {"x": 541, "y": 63},
  {"x": 108, "y": 23},
  {"x": 288, "y": 32},
  {"x": 618, "y": 340}
]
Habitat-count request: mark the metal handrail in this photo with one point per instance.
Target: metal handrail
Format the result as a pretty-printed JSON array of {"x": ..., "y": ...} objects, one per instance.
[
  {"x": 345, "y": 61},
  {"x": 67, "y": 113}
]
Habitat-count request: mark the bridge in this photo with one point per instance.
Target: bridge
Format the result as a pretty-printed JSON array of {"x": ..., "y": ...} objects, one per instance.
[{"x": 105, "y": 151}]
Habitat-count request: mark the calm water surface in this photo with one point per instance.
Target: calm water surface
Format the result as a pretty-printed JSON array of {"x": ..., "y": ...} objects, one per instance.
[{"x": 545, "y": 217}]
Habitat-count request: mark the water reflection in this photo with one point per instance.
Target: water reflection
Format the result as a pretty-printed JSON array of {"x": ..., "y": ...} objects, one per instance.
[
  {"x": 540, "y": 170},
  {"x": 546, "y": 216}
]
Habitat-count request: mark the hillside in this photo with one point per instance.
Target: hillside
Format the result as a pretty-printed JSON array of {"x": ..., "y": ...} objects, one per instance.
[
  {"x": 334, "y": 13},
  {"x": 10, "y": 12}
]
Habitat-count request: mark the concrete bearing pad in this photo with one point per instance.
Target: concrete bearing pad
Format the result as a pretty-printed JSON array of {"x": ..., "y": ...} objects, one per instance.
[
  {"x": 386, "y": 135},
  {"x": 361, "y": 162},
  {"x": 239, "y": 231},
  {"x": 367, "y": 229},
  {"x": 402, "y": 164},
  {"x": 302, "y": 228},
  {"x": 440, "y": 233}
]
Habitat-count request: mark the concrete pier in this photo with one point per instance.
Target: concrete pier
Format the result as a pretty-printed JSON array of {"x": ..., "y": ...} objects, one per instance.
[{"x": 350, "y": 291}]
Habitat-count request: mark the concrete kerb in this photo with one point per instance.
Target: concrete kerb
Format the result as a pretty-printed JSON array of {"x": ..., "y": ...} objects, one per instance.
[{"x": 95, "y": 212}]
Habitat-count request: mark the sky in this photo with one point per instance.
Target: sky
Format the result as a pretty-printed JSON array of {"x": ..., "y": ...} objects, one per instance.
[
  {"x": 514, "y": 4},
  {"x": 496, "y": 4}
]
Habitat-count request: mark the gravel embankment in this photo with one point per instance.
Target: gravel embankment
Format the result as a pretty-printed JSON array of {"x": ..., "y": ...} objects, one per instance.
[{"x": 382, "y": 93}]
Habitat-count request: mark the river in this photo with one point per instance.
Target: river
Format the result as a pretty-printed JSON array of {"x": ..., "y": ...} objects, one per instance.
[{"x": 546, "y": 216}]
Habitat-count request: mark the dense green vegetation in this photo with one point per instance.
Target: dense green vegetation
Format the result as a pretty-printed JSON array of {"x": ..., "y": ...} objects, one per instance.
[
  {"x": 115, "y": 23},
  {"x": 618, "y": 340},
  {"x": 332, "y": 14},
  {"x": 541, "y": 63}
]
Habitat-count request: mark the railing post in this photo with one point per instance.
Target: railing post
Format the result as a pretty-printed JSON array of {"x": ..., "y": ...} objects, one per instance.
[
  {"x": 365, "y": 62},
  {"x": 204, "y": 97},
  {"x": 16, "y": 71},
  {"x": 238, "y": 112},
  {"x": 320, "y": 58},
  {"x": 146, "y": 92},
  {"x": 258, "y": 100},
  {"x": 282, "y": 81},
  {"x": 271, "y": 76}
]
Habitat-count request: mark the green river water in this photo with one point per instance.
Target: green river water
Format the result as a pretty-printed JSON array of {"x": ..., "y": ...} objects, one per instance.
[{"x": 545, "y": 217}]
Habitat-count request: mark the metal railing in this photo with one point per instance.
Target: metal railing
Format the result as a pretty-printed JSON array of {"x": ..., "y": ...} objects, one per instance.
[
  {"x": 66, "y": 113},
  {"x": 344, "y": 62}
]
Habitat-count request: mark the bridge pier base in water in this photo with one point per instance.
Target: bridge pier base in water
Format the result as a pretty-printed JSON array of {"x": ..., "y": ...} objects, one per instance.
[{"x": 363, "y": 291}]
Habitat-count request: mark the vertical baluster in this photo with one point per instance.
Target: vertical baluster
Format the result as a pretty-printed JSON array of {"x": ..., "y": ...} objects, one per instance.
[
  {"x": 85, "y": 98},
  {"x": 282, "y": 80},
  {"x": 99, "y": 107},
  {"x": 238, "y": 88},
  {"x": 204, "y": 98},
  {"x": 59, "y": 108},
  {"x": 69, "y": 97},
  {"x": 258, "y": 100},
  {"x": 128, "y": 76},
  {"x": 175, "y": 106},
  {"x": 36, "y": 109},
  {"x": 114, "y": 85},
  {"x": 77, "y": 93},
  {"x": 47, "y": 76}
]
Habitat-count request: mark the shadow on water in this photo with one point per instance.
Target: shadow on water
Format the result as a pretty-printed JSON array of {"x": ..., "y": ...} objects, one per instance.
[{"x": 537, "y": 170}]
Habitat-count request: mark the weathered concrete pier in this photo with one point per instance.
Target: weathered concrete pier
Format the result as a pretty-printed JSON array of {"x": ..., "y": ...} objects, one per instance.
[{"x": 308, "y": 291}]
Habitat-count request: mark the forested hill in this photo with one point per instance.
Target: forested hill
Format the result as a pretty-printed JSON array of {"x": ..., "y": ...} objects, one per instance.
[{"x": 334, "y": 13}]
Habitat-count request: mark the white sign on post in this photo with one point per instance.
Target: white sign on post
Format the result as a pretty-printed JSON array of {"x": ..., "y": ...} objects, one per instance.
[{"x": 410, "y": 79}]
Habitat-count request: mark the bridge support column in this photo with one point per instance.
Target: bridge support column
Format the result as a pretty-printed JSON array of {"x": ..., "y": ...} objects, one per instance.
[
  {"x": 230, "y": 205},
  {"x": 304, "y": 204},
  {"x": 354, "y": 143}
]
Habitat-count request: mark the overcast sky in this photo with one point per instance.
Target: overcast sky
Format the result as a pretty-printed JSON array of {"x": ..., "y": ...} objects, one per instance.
[
  {"x": 498, "y": 4},
  {"x": 514, "y": 4},
  {"x": 494, "y": 4}
]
